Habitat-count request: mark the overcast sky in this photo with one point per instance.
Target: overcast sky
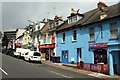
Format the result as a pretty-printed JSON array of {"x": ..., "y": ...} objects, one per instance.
[{"x": 15, "y": 14}]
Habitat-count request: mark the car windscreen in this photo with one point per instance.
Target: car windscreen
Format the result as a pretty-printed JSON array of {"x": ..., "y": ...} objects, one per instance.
[{"x": 36, "y": 54}]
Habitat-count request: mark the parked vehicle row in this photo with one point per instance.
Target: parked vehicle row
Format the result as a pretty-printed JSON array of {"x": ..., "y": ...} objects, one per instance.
[
  {"x": 24, "y": 54},
  {"x": 9, "y": 51}
]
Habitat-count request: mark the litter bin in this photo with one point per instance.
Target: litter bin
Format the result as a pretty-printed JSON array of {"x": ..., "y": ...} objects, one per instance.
[{"x": 56, "y": 59}]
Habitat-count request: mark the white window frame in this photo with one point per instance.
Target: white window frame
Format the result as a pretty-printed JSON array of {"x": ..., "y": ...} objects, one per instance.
[{"x": 113, "y": 30}]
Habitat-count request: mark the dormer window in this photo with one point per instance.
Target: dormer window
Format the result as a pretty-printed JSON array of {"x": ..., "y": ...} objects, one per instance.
[{"x": 74, "y": 18}]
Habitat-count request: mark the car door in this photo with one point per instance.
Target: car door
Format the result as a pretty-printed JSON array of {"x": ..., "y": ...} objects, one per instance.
[{"x": 26, "y": 56}]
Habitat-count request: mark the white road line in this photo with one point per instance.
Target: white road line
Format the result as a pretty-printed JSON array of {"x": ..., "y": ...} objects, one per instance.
[
  {"x": 60, "y": 74},
  {"x": 3, "y": 71}
]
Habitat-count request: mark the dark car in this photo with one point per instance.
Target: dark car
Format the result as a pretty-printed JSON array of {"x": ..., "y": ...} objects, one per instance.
[
  {"x": 10, "y": 52},
  {"x": 4, "y": 50}
]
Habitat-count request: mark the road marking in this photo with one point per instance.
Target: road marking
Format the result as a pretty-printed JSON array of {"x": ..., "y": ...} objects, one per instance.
[
  {"x": 60, "y": 74},
  {"x": 4, "y": 71}
]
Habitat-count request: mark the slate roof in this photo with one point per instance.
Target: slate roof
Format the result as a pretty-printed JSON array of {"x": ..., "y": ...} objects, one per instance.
[
  {"x": 46, "y": 26},
  {"x": 93, "y": 16}
]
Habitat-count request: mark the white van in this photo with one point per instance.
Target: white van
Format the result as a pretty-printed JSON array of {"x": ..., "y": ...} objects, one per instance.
[
  {"x": 32, "y": 56},
  {"x": 20, "y": 52}
]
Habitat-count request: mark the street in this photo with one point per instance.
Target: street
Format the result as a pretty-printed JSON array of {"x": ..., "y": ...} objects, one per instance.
[{"x": 17, "y": 68}]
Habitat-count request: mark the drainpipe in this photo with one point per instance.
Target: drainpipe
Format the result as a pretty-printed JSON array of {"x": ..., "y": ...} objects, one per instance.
[{"x": 111, "y": 68}]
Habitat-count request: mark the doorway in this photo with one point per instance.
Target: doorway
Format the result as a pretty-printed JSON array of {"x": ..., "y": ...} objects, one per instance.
[
  {"x": 100, "y": 56},
  {"x": 65, "y": 56},
  {"x": 79, "y": 54}
]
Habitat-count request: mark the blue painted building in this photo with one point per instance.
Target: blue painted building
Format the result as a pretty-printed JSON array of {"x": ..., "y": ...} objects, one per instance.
[{"x": 92, "y": 37}]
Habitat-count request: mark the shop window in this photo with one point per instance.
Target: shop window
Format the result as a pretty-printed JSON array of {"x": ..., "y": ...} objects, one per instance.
[
  {"x": 63, "y": 37},
  {"x": 91, "y": 34},
  {"x": 74, "y": 35},
  {"x": 44, "y": 39},
  {"x": 113, "y": 30}
]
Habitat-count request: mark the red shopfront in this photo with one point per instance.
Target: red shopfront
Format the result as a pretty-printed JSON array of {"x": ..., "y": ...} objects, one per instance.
[
  {"x": 100, "y": 52},
  {"x": 47, "y": 49}
]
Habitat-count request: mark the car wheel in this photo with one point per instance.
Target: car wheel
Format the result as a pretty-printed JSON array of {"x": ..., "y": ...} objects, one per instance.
[
  {"x": 23, "y": 58},
  {"x": 40, "y": 62},
  {"x": 29, "y": 60}
]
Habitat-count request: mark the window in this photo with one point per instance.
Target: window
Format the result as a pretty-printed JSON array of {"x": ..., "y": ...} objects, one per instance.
[
  {"x": 49, "y": 36},
  {"x": 44, "y": 39},
  {"x": 91, "y": 33},
  {"x": 36, "y": 54},
  {"x": 74, "y": 35},
  {"x": 73, "y": 19},
  {"x": 26, "y": 53},
  {"x": 63, "y": 37},
  {"x": 113, "y": 30}
]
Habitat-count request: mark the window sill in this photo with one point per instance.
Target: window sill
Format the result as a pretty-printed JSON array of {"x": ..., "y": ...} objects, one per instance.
[
  {"x": 113, "y": 39},
  {"x": 91, "y": 41},
  {"x": 74, "y": 41}
]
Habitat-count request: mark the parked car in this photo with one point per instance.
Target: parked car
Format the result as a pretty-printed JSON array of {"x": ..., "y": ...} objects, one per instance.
[
  {"x": 33, "y": 56},
  {"x": 4, "y": 50},
  {"x": 10, "y": 52},
  {"x": 20, "y": 52}
]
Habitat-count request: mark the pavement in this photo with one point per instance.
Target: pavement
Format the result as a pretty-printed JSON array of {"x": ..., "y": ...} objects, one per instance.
[{"x": 73, "y": 67}]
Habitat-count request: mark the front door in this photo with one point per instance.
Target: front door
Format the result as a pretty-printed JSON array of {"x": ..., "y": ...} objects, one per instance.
[{"x": 65, "y": 56}]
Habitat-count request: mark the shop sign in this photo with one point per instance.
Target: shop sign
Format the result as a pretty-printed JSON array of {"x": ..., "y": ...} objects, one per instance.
[
  {"x": 47, "y": 46},
  {"x": 98, "y": 45}
]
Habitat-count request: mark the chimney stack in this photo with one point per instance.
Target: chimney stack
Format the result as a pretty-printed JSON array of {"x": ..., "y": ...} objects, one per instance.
[{"x": 101, "y": 5}]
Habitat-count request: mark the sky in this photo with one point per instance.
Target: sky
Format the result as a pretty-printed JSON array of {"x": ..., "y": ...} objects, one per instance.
[{"x": 16, "y": 13}]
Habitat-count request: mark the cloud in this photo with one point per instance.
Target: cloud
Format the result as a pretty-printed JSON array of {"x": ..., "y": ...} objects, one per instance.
[{"x": 16, "y": 14}]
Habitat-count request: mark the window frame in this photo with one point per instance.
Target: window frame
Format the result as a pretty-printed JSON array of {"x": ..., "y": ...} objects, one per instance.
[
  {"x": 113, "y": 30},
  {"x": 73, "y": 36},
  {"x": 63, "y": 35},
  {"x": 92, "y": 33}
]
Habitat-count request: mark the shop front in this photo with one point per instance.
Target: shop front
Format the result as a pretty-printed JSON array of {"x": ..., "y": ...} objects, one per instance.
[
  {"x": 106, "y": 58},
  {"x": 100, "y": 52},
  {"x": 47, "y": 51}
]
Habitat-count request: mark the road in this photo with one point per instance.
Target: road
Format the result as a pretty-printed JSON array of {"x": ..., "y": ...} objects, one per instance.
[{"x": 17, "y": 68}]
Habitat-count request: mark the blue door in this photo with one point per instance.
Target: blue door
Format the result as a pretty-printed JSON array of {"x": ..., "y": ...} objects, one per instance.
[{"x": 64, "y": 56}]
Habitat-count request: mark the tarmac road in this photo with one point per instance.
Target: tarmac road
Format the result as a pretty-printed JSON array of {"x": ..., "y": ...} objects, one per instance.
[{"x": 17, "y": 68}]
